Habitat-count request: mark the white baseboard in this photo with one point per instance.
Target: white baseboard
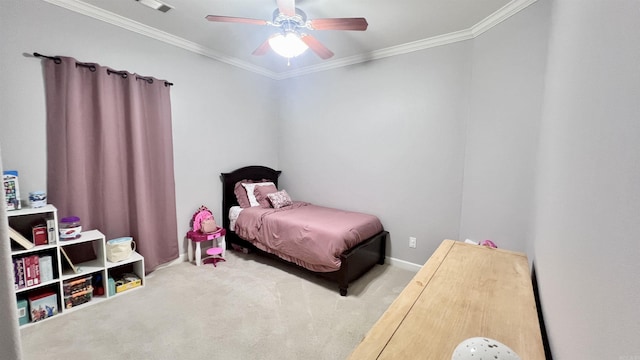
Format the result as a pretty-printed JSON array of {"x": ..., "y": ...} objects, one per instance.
[
  {"x": 182, "y": 258},
  {"x": 403, "y": 264}
]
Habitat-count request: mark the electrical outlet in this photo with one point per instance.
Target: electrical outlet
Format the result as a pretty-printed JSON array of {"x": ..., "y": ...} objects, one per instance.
[{"x": 412, "y": 242}]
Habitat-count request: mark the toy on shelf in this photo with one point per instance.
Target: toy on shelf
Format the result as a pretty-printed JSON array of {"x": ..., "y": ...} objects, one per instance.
[{"x": 11, "y": 189}]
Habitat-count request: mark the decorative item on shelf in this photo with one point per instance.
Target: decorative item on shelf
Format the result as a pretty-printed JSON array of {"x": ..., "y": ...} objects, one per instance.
[
  {"x": 43, "y": 305},
  {"x": 39, "y": 233},
  {"x": 120, "y": 249},
  {"x": 112, "y": 286},
  {"x": 70, "y": 228},
  {"x": 51, "y": 231},
  {"x": 483, "y": 348},
  {"x": 23, "y": 311},
  {"x": 37, "y": 199},
  {"x": 11, "y": 189},
  {"x": 127, "y": 281},
  {"x": 98, "y": 285}
]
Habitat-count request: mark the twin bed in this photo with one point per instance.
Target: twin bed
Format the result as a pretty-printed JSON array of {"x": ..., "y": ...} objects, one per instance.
[{"x": 339, "y": 245}]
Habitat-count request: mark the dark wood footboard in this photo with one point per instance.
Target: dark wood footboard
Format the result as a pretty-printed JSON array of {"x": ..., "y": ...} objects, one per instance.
[{"x": 360, "y": 259}]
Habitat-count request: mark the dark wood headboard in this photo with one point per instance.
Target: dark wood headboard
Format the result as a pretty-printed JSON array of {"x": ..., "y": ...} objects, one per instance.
[{"x": 229, "y": 181}]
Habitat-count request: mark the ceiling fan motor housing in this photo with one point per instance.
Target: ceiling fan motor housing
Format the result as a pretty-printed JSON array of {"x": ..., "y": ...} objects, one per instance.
[{"x": 289, "y": 23}]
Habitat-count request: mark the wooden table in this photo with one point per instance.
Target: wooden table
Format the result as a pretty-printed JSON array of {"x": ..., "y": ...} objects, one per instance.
[{"x": 462, "y": 291}]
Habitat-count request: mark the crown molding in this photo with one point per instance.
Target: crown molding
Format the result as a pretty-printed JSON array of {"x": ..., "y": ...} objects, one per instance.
[
  {"x": 142, "y": 29},
  {"x": 500, "y": 15},
  {"x": 380, "y": 54},
  {"x": 487, "y": 23}
]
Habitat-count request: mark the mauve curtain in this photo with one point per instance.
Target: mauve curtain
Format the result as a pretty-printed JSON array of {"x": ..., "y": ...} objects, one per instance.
[{"x": 110, "y": 154}]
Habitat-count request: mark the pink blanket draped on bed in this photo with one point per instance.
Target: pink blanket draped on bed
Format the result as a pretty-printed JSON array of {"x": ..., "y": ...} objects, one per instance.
[{"x": 308, "y": 235}]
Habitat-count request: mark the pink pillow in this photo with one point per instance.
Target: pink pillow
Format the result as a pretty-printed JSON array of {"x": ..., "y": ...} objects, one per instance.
[
  {"x": 261, "y": 193},
  {"x": 279, "y": 199},
  {"x": 241, "y": 194}
]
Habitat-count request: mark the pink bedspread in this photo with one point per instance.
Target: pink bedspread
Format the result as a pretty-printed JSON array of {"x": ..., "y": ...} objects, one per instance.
[{"x": 308, "y": 235}]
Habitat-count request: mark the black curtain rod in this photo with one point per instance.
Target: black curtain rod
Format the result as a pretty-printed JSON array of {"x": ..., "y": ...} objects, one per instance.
[
  {"x": 92, "y": 67},
  {"x": 55, "y": 59}
]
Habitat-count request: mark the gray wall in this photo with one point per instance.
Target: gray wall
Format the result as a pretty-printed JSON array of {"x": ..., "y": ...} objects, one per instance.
[
  {"x": 384, "y": 137},
  {"x": 439, "y": 143},
  {"x": 502, "y": 134},
  {"x": 586, "y": 245}
]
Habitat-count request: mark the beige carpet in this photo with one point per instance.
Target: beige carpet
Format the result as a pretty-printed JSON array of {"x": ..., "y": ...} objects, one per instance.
[{"x": 248, "y": 307}]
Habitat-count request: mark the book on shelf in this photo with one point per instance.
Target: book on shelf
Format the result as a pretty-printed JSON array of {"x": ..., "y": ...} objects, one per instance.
[
  {"x": 74, "y": 268},
  {"x": 32, "y": 270},
  {"x": 35, "y": 264},
  {"x": 18, "y": 270},
  {"x": 46, "y": 268},
  {"x": 20, "y": 239}
]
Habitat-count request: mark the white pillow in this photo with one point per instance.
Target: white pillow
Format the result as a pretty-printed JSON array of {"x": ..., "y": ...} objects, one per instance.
[{"x": 249, "y": 187}]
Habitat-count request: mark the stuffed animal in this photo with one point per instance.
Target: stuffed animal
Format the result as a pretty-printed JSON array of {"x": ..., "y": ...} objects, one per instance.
[{"x": 488, "y": 243}]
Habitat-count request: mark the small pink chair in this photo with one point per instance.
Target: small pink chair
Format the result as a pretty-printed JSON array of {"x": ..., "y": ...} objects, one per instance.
[{"x": 216, "y": 253}]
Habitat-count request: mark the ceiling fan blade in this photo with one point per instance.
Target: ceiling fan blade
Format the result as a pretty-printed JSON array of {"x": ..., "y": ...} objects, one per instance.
[
  {"x": 287, "y": 7},
  {"x": 317, "y": 46},
  {"x": 236, "y": 20},
  {"x": 262, "y": 49},
  {"x": 358, "y": 24}
]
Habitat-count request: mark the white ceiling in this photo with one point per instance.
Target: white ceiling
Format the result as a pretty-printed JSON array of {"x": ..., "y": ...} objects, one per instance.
[{"x": 395, "y": 27}]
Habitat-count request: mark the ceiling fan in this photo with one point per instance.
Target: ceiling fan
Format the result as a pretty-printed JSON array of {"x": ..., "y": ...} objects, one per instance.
[{"x": 292, "y": 22}]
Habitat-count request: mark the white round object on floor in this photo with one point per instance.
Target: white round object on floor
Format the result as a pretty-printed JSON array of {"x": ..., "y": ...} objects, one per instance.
[{"x": 481, "y": 348}]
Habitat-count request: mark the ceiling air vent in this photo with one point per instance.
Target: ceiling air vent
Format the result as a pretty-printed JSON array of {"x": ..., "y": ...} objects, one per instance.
[{"x": 157, "y": 5}]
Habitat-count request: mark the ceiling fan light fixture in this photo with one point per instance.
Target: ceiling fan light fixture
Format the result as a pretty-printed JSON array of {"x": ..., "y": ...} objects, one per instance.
[{"x": 287, "y": 45}]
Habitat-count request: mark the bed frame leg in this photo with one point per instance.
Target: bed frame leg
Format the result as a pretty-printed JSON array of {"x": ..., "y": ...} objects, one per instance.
[
  {"x": 343, "y": 291},
  {"x": 383, "y": 248}
]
